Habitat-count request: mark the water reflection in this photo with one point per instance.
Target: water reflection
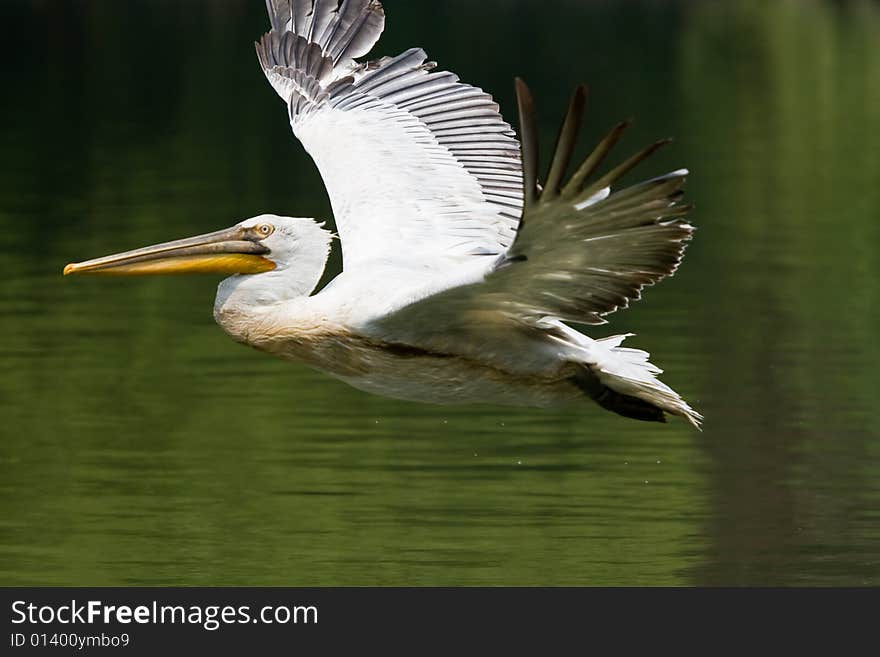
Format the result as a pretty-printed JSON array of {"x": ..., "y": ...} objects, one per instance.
[
  {"x": 792, "y": 138},
  {"x": 141, "y": 446}
]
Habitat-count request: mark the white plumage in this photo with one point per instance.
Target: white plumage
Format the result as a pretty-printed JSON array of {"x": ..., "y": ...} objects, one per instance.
[{"x": 416, "y": 163}]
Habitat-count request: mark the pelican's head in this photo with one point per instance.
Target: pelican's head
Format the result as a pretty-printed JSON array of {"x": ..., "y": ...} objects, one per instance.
[{"x": 254, "y": 246}]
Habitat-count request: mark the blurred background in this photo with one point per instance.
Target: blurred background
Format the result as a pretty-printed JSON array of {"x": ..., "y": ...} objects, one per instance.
[{"x": 139, "y": 445}]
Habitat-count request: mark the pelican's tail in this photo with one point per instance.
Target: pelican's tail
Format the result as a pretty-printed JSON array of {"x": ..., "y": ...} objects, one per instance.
[{"x": 623, "y": 380}]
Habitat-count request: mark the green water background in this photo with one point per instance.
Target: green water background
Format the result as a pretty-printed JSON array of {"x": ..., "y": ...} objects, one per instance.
[{"x": 139, "y": 445}]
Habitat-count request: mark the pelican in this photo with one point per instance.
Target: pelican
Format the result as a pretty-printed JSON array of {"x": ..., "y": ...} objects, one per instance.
[{"x": 461, "y": 272}]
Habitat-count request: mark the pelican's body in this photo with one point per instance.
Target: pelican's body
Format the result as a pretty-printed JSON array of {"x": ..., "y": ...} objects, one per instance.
[
  {"x": 409, "y": 372},
  {"x": 339, "y": 331},
  {"x": 460, "y": 270}
]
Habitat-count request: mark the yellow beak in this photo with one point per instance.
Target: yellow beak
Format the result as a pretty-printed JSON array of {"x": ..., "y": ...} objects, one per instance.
[{"x": 233, "y": 250}]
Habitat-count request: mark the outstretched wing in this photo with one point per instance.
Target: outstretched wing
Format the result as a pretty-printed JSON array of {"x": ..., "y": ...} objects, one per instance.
[
  {"x": 418, "y": 166},
  {"x": 582, "y": 251}
]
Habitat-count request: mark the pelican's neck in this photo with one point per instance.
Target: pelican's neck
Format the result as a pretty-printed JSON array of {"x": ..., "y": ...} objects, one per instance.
[{"x": 246, "y": 303}]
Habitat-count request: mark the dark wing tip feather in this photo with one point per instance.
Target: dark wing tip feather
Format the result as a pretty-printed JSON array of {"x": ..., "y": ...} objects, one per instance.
[
  {"x": 567, "y": 140},
  {"x": 596, "y": 248},
  {"x": 528, "y": 140},
  {"x": 592, "y": 162},
  {"x": 621, "y": 169}
]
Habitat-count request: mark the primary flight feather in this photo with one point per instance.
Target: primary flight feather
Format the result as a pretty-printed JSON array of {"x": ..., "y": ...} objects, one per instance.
[{"x": 460, "y": 268}]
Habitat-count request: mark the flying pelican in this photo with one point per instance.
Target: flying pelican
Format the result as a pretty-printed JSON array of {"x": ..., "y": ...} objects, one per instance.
[{"x": 461, "y": 272}]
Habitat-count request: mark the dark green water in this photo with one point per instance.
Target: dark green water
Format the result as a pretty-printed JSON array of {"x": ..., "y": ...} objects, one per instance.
[{"x": 140, "y": 446}]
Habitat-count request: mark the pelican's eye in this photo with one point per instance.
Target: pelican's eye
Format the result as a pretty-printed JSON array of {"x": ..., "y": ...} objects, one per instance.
[{"x": 265, "y": 229}]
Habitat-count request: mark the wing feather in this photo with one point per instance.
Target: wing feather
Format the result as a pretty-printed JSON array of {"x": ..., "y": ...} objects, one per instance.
[
  {"x": 416, "y": 163},
  {"x": 582, "y": 250}
]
